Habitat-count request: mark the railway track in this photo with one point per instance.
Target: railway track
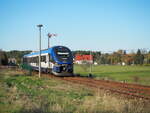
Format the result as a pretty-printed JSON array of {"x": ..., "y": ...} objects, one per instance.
[{"x": 130, "y": 90}]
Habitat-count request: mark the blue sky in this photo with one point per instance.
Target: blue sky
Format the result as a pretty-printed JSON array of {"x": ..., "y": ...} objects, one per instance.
[{"x": 101, "y": 25}]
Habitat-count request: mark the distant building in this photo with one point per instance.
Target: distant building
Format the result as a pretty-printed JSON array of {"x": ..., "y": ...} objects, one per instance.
[
  {"x": 123, "y": 63},
  {"x": 95, "y": 63},
  {"x": 12, "y": 61},
  {"x": 83, "y": 59}
]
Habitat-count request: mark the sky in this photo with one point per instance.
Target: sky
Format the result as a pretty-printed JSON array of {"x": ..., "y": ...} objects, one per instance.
[{"x": 97, "y": 25}]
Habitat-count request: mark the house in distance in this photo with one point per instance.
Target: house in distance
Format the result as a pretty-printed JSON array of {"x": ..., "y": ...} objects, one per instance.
[{"x": 83, "y": 59}]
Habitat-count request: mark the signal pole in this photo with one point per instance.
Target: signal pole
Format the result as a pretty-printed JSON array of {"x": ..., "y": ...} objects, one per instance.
[
  {"x": 90, "y": 74},
  {"x": 49, "y": 36},
  {"x": 91, "y": 62},
  {"x": 40, "y": 25}
]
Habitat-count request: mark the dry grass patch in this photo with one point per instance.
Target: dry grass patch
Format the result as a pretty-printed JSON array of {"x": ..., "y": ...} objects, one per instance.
[{"x": 103, "y": 102}]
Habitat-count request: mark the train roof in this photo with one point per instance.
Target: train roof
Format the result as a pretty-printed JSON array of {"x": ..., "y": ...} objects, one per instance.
[{"x": 42, "y": 51}]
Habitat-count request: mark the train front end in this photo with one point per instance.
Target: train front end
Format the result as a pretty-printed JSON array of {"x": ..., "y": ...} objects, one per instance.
[{"x": 63, "y": 58}]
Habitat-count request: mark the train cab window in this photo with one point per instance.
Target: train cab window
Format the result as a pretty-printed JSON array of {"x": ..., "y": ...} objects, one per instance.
[{"x": 63, "y": 54}]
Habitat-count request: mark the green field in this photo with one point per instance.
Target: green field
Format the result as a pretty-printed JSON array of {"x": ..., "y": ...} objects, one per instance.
[
  {"x": 131, "y": 74},
  {"x": 20, "y": 93}
]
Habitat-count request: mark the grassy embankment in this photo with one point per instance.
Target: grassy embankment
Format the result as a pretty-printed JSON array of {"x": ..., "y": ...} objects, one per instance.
[
  {"x": 30, "y": 94},
  {"x": 131, "y": 74}
]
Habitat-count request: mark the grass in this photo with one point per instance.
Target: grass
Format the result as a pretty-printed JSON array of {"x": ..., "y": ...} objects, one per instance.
[
  {"x": 131, "y": 74},
  {"x": 30, "y": 94}
]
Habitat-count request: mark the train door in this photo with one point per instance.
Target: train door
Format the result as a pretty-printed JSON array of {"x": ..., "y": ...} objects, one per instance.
[
  {"x": 51, "y": 61},
  {"x": 43, "y": 61}
]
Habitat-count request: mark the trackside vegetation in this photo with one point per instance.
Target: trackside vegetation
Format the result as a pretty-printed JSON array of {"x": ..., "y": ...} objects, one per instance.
[{"x": 20, "y": 93}]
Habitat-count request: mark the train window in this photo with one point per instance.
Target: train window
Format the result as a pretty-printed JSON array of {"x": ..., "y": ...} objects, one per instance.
[
  {"x": 24, "y": 60},
  {"x": 34, "y": 60},
  {"x": 43, "y": 58},
  {"x": 31, "y": 60},
  {"x": 37, "y": 59},
  {"x": 28, "y": 59}
]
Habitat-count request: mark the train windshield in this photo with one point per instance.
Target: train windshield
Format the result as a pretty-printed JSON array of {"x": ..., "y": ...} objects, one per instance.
[{"x": 63, "y": 54}]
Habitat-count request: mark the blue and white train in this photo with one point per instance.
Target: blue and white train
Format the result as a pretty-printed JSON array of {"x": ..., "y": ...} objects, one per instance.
[{"x": 57, "y": 60}]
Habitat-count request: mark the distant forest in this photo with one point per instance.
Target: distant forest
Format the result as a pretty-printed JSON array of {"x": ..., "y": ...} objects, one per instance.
[
  {"x": 116, "y": 58},
  {"x": 5, "y": 55}
]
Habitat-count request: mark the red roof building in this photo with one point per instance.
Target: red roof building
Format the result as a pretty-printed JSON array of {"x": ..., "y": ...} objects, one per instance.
[{"x": 80, "y": 59}]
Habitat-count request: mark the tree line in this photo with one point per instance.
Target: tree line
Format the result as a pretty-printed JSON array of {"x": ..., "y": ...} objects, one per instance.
[
  {"x": 120, "y": 57},
  {"x": 116, "y": 58},
  {"x": 5, "y": 55}
]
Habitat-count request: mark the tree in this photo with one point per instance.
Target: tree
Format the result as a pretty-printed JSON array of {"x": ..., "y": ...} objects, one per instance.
[
  {"x": 97, "y": 56},
  {"x": 17, "y": 54},
  {"x": 102, "y": 60},
  {"x": 148, "y": 58},
  {"x": 124, "y": 52},
  {"x": 3, "y": 58},
  {"x": 139, "y": 58}
]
